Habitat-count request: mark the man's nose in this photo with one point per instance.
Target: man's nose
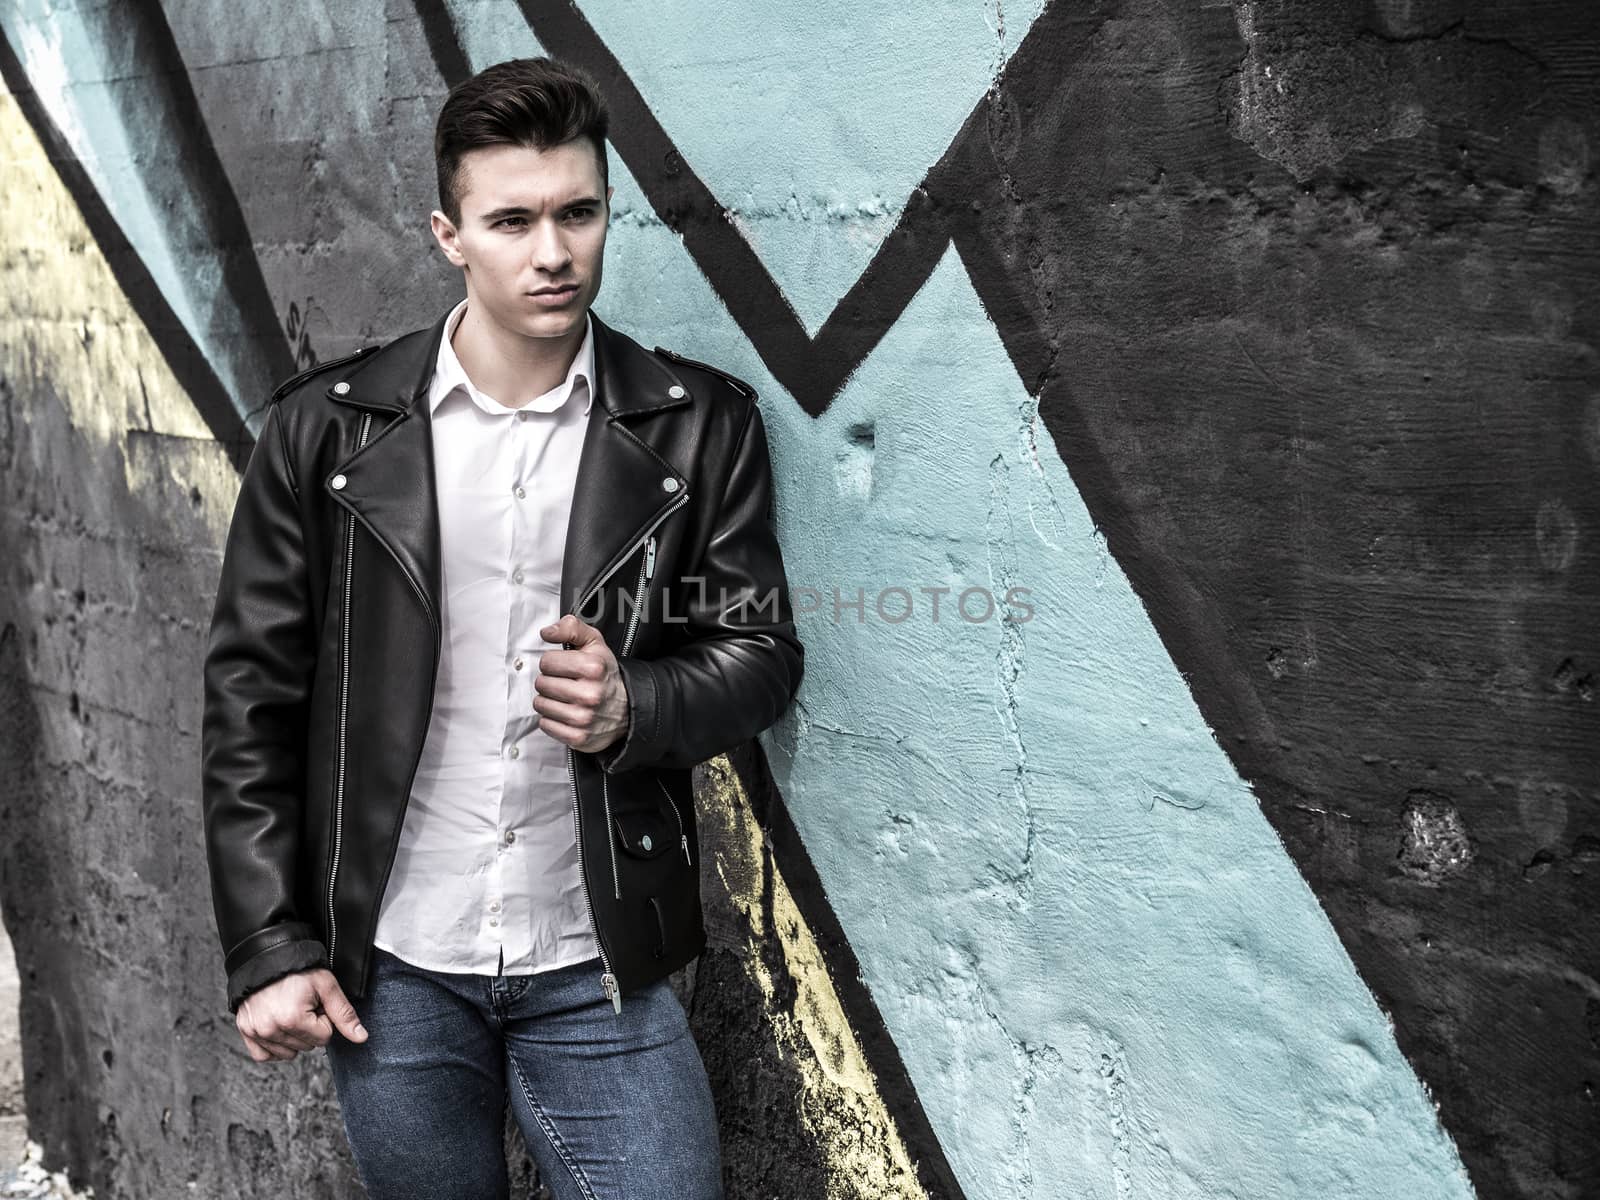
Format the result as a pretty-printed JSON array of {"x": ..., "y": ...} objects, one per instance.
[{"x": 549, "y": 250}]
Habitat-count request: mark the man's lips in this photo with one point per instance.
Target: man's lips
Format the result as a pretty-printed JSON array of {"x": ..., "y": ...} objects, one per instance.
[{"x": 554, "y": 296}]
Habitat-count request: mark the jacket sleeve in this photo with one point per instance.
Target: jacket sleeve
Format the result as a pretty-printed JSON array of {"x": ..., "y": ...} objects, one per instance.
[
  {"x": 260, "y": 658},
  {"x": 742, "y": 662}
]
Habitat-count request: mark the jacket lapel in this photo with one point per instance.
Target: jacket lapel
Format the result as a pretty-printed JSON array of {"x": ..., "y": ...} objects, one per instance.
[
  {"x": 389, "y": 482},
  {"x": 626, "y": 479}
]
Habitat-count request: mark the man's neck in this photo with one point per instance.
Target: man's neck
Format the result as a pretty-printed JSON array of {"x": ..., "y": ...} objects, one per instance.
[{"x": 508, "y": 367}]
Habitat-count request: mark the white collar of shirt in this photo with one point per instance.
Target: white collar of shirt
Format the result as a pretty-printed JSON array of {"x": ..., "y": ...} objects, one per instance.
[{"x": 448, "y": 374}]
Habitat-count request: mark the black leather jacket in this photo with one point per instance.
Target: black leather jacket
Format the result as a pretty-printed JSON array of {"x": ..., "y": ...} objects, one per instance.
[{"x": 325, "y": 642}]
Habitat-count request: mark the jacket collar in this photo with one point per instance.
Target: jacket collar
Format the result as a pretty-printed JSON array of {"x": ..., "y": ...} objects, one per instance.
[
  {"x": 624, "y": 470},
  {"x": 448, "y": 373}
]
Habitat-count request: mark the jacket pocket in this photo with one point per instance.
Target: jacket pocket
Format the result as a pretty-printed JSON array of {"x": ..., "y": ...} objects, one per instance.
[
  {"x": 648, "y": 837},
  {"x": 645, "y": 834}
]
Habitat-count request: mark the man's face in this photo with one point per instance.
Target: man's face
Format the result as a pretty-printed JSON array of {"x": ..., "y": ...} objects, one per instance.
[{"x": 532, "y": 235}]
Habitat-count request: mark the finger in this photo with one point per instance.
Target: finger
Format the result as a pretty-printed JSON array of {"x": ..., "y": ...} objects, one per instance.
[
  {"x": 274, "y": 1050},
  {"x": 574, "y": 716},
  {"x": 298, "y": 1037},
  {"x": 564, "y": 734},
  {"x": 583, "y": 689},
  {"x": 318, "y": 1029},
  {"x": 338, "y": 1009},
  {"x": 570, "y": 664},
  {"x": 571, "y": 630},
  {"x": 278, "y": 1038}
]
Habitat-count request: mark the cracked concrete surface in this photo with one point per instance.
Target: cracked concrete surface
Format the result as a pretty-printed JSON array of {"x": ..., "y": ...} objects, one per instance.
[{"x": 1272, "y": 253}]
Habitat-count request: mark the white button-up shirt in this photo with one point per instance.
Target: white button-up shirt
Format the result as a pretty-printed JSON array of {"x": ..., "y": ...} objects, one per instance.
[{"x": 488, "y": 857}]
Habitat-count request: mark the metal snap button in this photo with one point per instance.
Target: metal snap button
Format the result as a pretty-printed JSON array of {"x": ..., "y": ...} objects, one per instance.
[
  {"x": 337, "y": 483},
  {"x": 669, "y": 484},
  {"x": 677, "y": 393},
  {"x": 644, "y": 842},
  {"x": 341, "y": 388}
]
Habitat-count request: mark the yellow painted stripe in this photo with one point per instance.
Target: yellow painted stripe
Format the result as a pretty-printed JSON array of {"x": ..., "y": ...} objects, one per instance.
[{"x": 840, "y": 1101}]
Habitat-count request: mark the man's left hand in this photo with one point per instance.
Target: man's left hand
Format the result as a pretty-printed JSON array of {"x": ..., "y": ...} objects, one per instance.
[{"x": 579, "y": 694}]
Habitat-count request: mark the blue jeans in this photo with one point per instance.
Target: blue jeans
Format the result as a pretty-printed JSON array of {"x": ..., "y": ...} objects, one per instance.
[{"x": 611, "y": 1105}]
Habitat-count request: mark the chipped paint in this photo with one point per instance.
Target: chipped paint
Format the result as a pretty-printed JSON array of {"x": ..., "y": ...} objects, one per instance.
[
  {"x": 65, "y": 324},
  {"x": 841, "y": 1102}
]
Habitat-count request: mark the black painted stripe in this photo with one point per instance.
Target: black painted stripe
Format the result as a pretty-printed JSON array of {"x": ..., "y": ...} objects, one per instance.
[
  {"x": 812, "y": 370},
  {"x": 190, "y": 367},
  {"x": 877, "y": 1044},
  {"x": 444, "y": 44},
  {"x": 211, "y": 189},
  {"x": 680, "y": 198}
]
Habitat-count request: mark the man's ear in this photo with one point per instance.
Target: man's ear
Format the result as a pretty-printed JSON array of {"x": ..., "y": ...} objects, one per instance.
[{"x": 444, "y": 232}]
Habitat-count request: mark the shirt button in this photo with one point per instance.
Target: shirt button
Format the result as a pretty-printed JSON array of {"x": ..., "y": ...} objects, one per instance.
[
  {"x": 494, "y": 906},
  {"x": 522, "y": 416},
  {"x": 517, "y": 664},
  {"x": 514, "y": 752},
  {"x": 521, "y": 494},
  {"x": 511, "y": 836},
  {"x": 494, "y": 921},
  {"x": 516, "y": 577}
]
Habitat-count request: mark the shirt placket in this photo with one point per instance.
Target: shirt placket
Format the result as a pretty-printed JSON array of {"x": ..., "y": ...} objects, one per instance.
[{"x": 521, "y": 720}]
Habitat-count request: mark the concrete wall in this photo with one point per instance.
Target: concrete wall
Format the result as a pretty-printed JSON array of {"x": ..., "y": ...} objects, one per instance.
[{"x": 1247, "y": 850}]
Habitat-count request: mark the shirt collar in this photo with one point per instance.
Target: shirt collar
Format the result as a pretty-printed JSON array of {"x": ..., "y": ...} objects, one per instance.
[{"x": 448, "y": 374}]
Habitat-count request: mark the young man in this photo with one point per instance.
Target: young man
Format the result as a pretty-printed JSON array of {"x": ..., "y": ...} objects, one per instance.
[{"x": 489, "y": 593}]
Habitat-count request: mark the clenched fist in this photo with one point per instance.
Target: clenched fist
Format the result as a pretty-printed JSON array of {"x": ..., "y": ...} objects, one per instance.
[
  {"x": 295, "y": 1013},
  {"x": 581, "y": 699}
]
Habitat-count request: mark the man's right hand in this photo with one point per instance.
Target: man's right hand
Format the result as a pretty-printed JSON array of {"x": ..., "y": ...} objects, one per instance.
[{"x": 295, "y": 1013}]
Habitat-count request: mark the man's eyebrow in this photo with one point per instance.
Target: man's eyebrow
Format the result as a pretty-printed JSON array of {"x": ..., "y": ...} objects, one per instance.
[
  {"x": 522, "y": 210},
  {"x": 509, "y": 210}
]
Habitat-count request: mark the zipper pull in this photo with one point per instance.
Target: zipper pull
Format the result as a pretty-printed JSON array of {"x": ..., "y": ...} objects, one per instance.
[
  {"x": 650, "y": 557},
  {"x": 608, "y": 985},
  {"x": 684, "y": 838}
]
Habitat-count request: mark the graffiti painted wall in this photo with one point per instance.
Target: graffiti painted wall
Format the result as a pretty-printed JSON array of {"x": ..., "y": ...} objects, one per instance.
[{"x": 1186, "y": 419}]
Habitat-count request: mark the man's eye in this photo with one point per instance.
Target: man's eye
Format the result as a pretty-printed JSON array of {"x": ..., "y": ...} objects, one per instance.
[
  {"x": 581, "y": 214},
  {"x": 508, "y": 222}
]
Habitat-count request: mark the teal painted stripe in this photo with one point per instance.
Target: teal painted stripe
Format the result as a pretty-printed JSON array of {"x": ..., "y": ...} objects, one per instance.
[
  {"x": 1104, "y": 973},
  {"x": 813, "y": 122},
  {"x": 114, "y": 88}
]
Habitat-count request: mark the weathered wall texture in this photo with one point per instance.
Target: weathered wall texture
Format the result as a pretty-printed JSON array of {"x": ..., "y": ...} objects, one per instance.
[{"x": 1250, "y": 851}]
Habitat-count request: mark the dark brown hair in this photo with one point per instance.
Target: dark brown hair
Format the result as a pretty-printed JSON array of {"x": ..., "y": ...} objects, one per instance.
[{"x": 536, "y": 102}]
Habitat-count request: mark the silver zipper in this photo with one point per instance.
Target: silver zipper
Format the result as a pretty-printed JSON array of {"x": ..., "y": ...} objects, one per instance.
[
  {"x": 683, "y": 834},
  {"x": 608, "y": 978},
  {"x": 647, "y": 567},
  {"x": 344, "y": 705},
  {"x": 608, "y": 981},
  {"x": 611, "y": 842}
]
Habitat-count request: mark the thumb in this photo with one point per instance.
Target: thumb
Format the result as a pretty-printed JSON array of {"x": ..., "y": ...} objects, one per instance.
[
  {"x": 339, "y": 1010},
  {"x": 572, "y": 630}
]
